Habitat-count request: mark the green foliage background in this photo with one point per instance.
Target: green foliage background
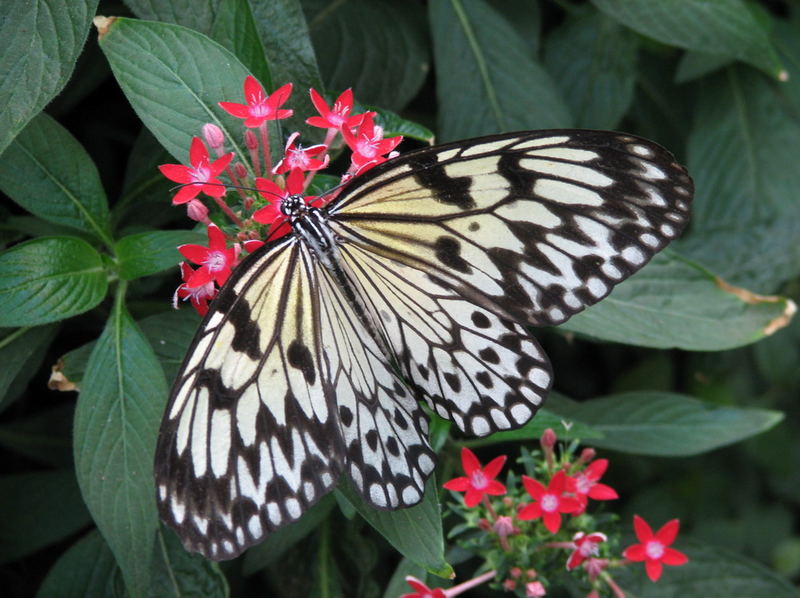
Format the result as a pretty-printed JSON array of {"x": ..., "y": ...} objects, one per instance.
[{"x": 687, "y": 376}]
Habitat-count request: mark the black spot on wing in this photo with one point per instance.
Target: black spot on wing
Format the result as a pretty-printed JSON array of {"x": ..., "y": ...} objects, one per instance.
[
  {"x": 300, "y": 357},
  {"x": 446, "y": 189},
  {"x": 448, "y": 251}
]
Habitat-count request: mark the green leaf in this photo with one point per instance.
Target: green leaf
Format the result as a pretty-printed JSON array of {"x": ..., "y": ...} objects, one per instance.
[
  {"x": 235, "y": 29},
  {"x": 183, "y": 574},
  {"x": 169, "y": 334},
  {"x": 415, "y": 532},
  {"x": 49, "y": 279},
  {"x": 393, "y": 124},
  {"x": 39, "y": 509},
  {"x": 45, "y": 436},
  {"x": 694, "y": 65},
  {"x": 673, "y": 302},
  {"x": 116, "y": 424},
  {"x": 377, "y": 47},
  {"x": 397, "y": 585},
  {"x": 86, "y": 570},
  {"x": 47, "y": 172},
  {"x": 486, "y": 80},
  {"x": 194, "y": 14},
  {"x": 41, "y": 42},
  {"x": 278, "y": 542},
  {"x": 525, "y": 16},
  {"x": 743, "y": 155},
  {"x": 144, "y": 254},
  {"x": 593, "y": 61},
  {"x": 722, "y": 27},
  {"x": 532, "y": 431},
  {"x": 290, "y": 54},
  {"x": 777, "y": 356},
  {"x": 665, "y": 424},
  {"x": 17, "y": 350},
  {"x": 174, "y": 77},
  {"x": 712, "y": 572}
]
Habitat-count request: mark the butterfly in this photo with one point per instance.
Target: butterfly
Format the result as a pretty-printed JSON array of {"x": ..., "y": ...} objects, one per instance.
[{"x": 414, "y": 285}]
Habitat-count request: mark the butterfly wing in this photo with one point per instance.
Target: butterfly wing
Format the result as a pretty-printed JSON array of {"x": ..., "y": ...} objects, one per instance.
[
  {"x": 454, "y": 246},
  {"x": 532, "y": 226},
  {"x": 281, "y": 390}
]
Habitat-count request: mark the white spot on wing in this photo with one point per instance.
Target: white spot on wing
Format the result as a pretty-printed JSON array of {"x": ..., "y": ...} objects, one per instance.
[
  {"x": 220, "y": 441},
  {"x": 583, "y": 174}
]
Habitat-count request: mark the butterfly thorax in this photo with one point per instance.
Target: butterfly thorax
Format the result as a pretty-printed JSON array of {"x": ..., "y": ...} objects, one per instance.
[{"x": 311, "y": 225}]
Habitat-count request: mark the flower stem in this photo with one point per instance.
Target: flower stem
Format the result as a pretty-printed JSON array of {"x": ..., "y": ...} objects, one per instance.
[
  {"x": 489, "y": 507},
  {"x": 265, "y": 144},
  {"x": 467, "y": 585}
]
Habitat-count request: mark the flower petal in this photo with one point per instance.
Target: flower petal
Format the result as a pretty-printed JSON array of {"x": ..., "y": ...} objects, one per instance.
[
  {"x": 457, "y": 484},
  {"x": 194, "y": 253},
  {"x": 634, "y": 553},
  {"x": 643, "y": 531},
  {"x": 469, "y": 461},
  {"x": 176, "y": 172},
  {"x": 197, "y": 151},
  {"x": 534, "y": 487},
  {"x": 668, "y": 532},
  {"x": 552, "y": 521},
  {"x": 235, "y": 109},
  {"x": 494, "y": 466},
  {"x": 602, "y": 492},
  {"x": 653, "y": 569},
  {"x": 528, "y": 512},
  {"x": 253, "y": 90},
  {"x": 674, "y": 557},
  {"x": 473, "y": 497}
]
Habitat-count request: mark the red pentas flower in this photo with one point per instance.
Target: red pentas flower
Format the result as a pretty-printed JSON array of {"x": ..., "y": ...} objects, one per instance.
[
  {"x": 301, "y": 157},
  {"x": 478, "y": 481},
  {"x": 215, "y": 261},
  {"x": 259, "y": 107},
  {"x": 584, "y": 484},
  {"x": 551, "y": 501},
  {"x": 271, "y": 214},
  {"x": 200, "y": 176},
  {"x": 421, "y": 590},
  {"x": 199, "y": 296},
  {"x": 653, "y": 548},
  {"x": 337, "y": 117},
  {"x": 368, "y": 144},
  {"x": 586, "y": 546}
]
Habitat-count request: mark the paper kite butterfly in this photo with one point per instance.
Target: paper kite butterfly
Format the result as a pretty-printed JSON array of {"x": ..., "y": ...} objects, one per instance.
[{"x": 416, "y": 283}]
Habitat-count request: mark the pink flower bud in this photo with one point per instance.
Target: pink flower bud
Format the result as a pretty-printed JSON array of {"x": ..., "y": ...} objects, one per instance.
[
  {"x": 250, "y": 140},
  {"x": 213, "y": 135},
  {"x": 587, "y": 455},
  {"x": 535, "y": 589},
  {"x": 196, "y": 210},
  {"x": 508, "y": 501},
  {"x": 504, "y": 526},
  {"x": 515, "y": 572},
  {"x": 593, "y": 594},
  {"x": 239, "y": 170},
  {"x": 531, "y": 573},
  {"x": 484, "y": 524},
  {"x": 548, "y": 440},
  {"x": 509, "y": 585}
]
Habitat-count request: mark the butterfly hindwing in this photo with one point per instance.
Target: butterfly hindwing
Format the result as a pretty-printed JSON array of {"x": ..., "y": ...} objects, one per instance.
[{"x": 536, "y": 225}]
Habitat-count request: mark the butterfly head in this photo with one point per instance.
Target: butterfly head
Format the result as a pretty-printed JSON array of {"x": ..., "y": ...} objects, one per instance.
[{"x": 294, "y": 206}]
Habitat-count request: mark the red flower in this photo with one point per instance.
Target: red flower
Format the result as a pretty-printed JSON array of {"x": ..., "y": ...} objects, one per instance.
[
  {"x": 201, "y": 176},
  {"x": 421, "y": 590},
  {"x": 654, "y": 549},
  {"x": 368, "y": 145},
  {"x": 584, "y": 484},
  {"x": 301, "y": 157},
  {"x": 550, "y": 501},
  {"x": 585, "y": 547},
  {"x": 199, "y": 296},
  {"x": 478, "y": 481},
  {"x": 271, "y": 214},
  {"x": 259, "y": 107},
  {"x": 215, "y": 261},
  {"x": 337, "y": 117}
]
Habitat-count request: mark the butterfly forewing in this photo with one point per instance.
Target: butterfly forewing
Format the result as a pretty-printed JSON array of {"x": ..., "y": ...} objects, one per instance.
[
  {"x": 534, "y": 226},
  {"x": 310, "y": 365}
]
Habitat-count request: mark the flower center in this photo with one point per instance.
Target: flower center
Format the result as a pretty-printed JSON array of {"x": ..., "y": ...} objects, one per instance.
[
  {"x": 588, "y": 548},
  {"x": 583, "y": 484},
  {"x": 201, "y": 173},
  {"x": 215, "y": 261},
  {"x": 549, "y": 503},
  {"x": 478, "y": 480},
  {"x": 259, "y": 110},
  {"x": 654, "y": 549}
]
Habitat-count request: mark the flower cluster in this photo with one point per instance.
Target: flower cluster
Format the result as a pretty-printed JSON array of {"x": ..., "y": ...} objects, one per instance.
[
  {"x": 535, "y": 528},
  {"x": 247, "y": 208}
]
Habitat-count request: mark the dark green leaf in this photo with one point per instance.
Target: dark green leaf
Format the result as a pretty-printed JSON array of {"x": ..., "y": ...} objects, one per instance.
[
  {"x": 694, "y": 65},
  {"x": 525, "y": 16},
  {"x": 722, "y": 27},
  {"x": 49, "y": 279},
  {"x": 278, "y": 542},
  {"x": 673, "y": 302},
  {"x": 377, "y": 47},
  {"x": 38, "y": 509},
  {"x": 593, "y": 61},
  {"x": 144, "y": 254},
  {"x": 61, "y": 186},
  {"x": 41, "y": 42},
  {"x": 779, "y": 355},
  {"x": 45, "y": 437},
  {"x": 665, "y": 424},
  {"x": 415, "y": 532},
  {"x": 169, "y": 334},
  {"x": 235, "y": 29},
  {"x": 86, "y": 570},
  {"x": 393, "y": 124},
  {"x": 183, "y": 574},
  {"x": 487, "y": 82},
  {"x": 194, "y": 14},
  {"x": 116, "y": 424},
  {"x": 712, "y": 572},
  {"x": 743, "y": 155},
  {"x": 17, "y": 348},
  {"x": 186, "y": 75},
  {"x": 290, "y": 55}
]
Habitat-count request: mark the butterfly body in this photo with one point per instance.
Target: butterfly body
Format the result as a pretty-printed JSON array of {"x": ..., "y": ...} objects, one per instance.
[{"x": 414, "y": 284}]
